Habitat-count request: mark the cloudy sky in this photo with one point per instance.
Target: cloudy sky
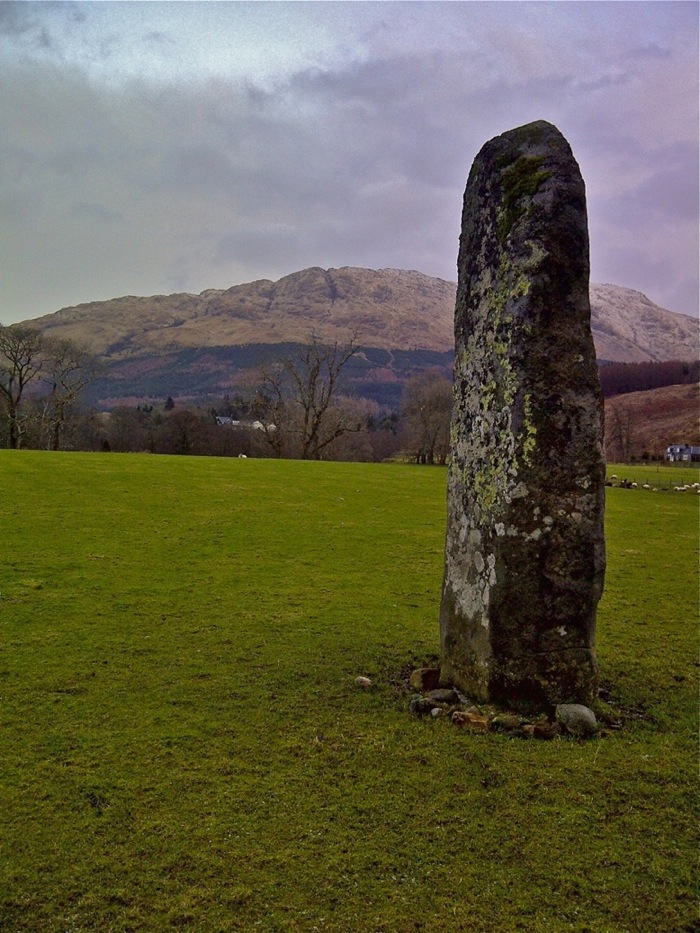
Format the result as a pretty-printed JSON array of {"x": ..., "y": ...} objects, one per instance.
[{"x": 175, "y": 146}]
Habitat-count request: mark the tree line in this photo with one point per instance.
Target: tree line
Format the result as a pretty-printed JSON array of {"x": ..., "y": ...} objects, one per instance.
[
  {"x": 623, "y": 378},
  {"x": 297, "y": 407}
]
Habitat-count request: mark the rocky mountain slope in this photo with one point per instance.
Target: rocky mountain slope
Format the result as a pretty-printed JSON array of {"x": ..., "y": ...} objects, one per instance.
[
  {"x": 200, "y": 345},
  {"x": 389, "y": 309},
  {"x": 629, "y": 328}
]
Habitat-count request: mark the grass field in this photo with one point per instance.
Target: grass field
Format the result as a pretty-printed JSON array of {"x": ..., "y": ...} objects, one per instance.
[{"x": 183, "y": 745}]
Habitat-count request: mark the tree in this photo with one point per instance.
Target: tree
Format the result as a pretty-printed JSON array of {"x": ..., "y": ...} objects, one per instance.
[
  {"x": 619, "y": 430},
  {"x": 182, "y": 432},
  {"x": 298, "y": 402},
  {"x": 128, "y": 430},
  {"x": 622, "y": 378},
  {"x": 68, "y": 368},
  {"x": 20, "y": 361},
  {"x": 427, "y": 410}
]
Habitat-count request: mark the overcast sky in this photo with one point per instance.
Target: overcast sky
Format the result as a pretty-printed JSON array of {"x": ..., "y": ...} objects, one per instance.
[{"x": 149, "y": 148}]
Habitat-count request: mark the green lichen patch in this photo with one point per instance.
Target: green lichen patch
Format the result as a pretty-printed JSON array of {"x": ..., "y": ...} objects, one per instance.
[{"x": 519, "y": 181}]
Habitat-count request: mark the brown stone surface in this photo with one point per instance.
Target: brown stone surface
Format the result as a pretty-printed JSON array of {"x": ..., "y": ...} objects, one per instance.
[
  {"x": 546, "y": 730},
  {"x": 425, "y": 678},
  {"x": 473, "y": 721},
  {"x": 524, "y": 555}
]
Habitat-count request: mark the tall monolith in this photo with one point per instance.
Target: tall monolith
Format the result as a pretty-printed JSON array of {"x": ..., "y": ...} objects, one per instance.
[{"x": 525, "y": 550}]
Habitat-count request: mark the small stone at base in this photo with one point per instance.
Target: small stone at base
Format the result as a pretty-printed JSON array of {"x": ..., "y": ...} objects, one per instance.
[
  {"x": 425, "y": 678},
  {"x": 546, "y": 730},
  {"x": 577, "y": 719},
  {"x": 422, "y": 706},
  {"x": 444, "y": 695}
]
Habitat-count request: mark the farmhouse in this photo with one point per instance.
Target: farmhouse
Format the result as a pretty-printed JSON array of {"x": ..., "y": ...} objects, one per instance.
[
  {"x": 246, "y": 425},
  {"x": 683, "y": 453}
]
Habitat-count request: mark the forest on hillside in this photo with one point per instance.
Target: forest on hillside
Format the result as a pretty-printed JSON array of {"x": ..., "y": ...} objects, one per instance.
[{"x": 622, "y": 378}]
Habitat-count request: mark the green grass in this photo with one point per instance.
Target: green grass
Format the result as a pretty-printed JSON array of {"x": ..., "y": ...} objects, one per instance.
[
  {"x": 183, "y": 745},
  {"x": 664, "y": 477}
]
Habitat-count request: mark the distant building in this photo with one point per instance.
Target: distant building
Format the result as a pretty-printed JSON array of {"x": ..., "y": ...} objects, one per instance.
[
  {"x": 245, "y": 425},
  {"x": 683, "y": 453}
]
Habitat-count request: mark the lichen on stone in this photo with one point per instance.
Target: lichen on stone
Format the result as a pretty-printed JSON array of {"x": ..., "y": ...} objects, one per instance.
[
  {"x": 520, "y": 180},
  {"x": 524, "y": 552}
]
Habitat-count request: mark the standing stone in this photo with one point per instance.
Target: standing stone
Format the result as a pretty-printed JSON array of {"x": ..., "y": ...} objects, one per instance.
[{"x": 525, "y": 550}]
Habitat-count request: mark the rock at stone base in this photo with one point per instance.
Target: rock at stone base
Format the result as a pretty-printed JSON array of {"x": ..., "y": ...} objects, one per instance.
[
  {"x": 444, "y": 695},
  {"x": 546, "y": 730},
  {"x": 363, "y": 682},
  {"x": 478, "y": 725},
  {"x": 437, "y": 712},
  {"x": 425, "y": 678},
  {"x": 506, "y": 722},
  {"x": 422, "y": 706},
  {"x": 472, "y": 721},
  {"x": 577, "y": 719}
]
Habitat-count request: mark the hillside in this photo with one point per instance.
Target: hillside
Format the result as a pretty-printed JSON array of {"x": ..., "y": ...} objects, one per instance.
[
  {"x": 647, "y": 422},
  {"x": 390, "y": 309},
  {"x": 199, "y": 345},
  {"x": 629, "y": 328}
]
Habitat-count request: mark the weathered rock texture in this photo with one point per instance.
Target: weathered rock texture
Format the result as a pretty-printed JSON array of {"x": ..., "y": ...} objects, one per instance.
[{"x": 525, "y": 555}]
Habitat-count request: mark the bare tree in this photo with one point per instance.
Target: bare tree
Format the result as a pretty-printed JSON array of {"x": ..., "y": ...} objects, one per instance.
[
  {"x": 183, "y": 432},
  {"x": 68, "y": 368},
  {"x": 298, "y": 402},
  {"x": 20, "y": 361},
  {"x": 427, "y": 409},
  {"x": 128, "y": 430},
  {"x": 619, "y": 430}
]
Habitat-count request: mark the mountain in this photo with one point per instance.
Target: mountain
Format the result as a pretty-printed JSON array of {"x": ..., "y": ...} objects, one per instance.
[
  {"x": 200, "y": 345},
  {"x": 629, "y": 328},
  {"x": 388, "y": 308}
]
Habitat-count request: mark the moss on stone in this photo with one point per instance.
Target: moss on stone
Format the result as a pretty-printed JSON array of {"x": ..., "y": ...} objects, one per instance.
[{"x": 520, "y": 180}]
